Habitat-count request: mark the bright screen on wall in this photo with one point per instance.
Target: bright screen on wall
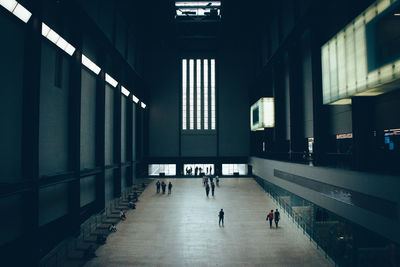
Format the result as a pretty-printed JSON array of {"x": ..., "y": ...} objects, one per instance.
[{"x": 262, "y": 114}]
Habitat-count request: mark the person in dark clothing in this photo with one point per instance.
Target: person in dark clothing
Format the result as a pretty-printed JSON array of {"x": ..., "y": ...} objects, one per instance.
[
  {"x": 210, "y": 170},
  {"x": 169, "y": 187},
  {"x": 195, "y": 171},
  {"x": 217, "y": 180},
  {"x": 207, "y": 189},
  {"x": 212, "y": 188},
  {"x": 277, "y": 216},
  {"x": 221, "y": 217},
  {"x": 163, "y": 186},
  {"x": 158, "y": 186},
  {"x": 270, "y": 217}
]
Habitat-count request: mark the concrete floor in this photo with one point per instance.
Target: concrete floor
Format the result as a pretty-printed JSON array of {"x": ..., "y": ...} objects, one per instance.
[{"x": 182, "y": 229}]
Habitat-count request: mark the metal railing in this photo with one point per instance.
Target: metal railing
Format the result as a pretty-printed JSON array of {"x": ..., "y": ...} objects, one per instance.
[{"x": 307, "y": 228}]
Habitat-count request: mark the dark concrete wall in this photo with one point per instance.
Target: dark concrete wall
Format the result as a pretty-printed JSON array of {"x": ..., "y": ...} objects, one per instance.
[
  {"x": 234, "y": 73},
  {"x": 162, "y": 71},
  {"x": 11, "y": 71},
  {"x": 54, "y": 113},
  {"x": 88, "y": 120}
]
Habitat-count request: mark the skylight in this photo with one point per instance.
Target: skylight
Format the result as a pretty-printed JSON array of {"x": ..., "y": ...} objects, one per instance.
[{"x": 198, "y": 9}]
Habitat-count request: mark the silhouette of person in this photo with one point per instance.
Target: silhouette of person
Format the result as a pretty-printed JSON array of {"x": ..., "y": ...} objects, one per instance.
[
  {"x": 207, "y": 189},
  {"x": 221, "y": 217},
  {"x": 158, "y": 186},
  {"x": 270, "y": 217},
  {"x": 169, "y": 187},
  {"x": 212, "y": 188},
  {"x": 163, "y": 186},
  {"x": 277, "y": 217}
]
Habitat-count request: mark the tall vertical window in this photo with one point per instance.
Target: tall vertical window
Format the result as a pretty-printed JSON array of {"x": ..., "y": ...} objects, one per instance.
[
  {"x": 198, "y": 94},
  {"x": 205, "y": 101},
  {"x": 191, "y": 94},
  {"x": 212, "y": 94},
  {"x": 184, "y": 98}
]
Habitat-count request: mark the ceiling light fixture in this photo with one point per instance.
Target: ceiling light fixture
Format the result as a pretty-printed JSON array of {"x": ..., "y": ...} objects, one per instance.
[
  {"x": 111, "y": 81},
  {"x": 90, "y": 64},
  {"x": 17, "y": 9}
]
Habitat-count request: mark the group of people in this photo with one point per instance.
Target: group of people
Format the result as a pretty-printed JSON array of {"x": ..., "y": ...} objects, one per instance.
[
  {"x": 211, "y": 185},
  {"x": 163, "y": 186},
  {"x": 198, "y": 171},
  {"x": 273, "y": 216}
]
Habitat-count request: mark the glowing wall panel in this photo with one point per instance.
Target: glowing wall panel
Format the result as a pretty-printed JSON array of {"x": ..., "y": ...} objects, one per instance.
[{"x": 344, "y": 60}]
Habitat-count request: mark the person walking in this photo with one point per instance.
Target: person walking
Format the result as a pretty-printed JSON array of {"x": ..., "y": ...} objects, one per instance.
[
  {"x": 169, "y": 188},
  {"x": 207, "y": 189},
  {"x": 217, "y": 180},
  {"x": 277, "y": 217},
  {"x": 221, "y": 217},
  {"x": 163, "y": 186},
  {"x": 270, "y": 217},
  {"x": 158, "y": 186},
  {"x": 212, "y": 188}
]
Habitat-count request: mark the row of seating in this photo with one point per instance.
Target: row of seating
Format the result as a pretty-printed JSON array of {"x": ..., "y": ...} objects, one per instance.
[{"x": 94, "y": 231}]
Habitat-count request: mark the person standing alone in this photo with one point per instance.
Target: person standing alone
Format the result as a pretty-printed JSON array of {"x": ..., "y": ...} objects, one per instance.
[
  {"x": 169, "y": 188},
  {"x": 277, "y": 216},
  {"x": 212, "y": 188},
  {"x": 221, "y": 217},
  {"x": 270, "y": 217},
  {"x": 207, "y": 190}
]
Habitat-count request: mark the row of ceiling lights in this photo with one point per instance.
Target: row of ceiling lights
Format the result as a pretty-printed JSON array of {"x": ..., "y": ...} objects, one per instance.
[{"x": 23, "y": 14}]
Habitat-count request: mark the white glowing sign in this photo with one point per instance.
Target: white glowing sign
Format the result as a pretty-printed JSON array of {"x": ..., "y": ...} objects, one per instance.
[{"x": 262, "y": 114}]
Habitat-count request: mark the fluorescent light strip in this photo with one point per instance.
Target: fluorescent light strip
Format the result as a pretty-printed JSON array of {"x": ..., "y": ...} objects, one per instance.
[
  {"x": 9, "y": 4},
  {"x": 125, "y": 91},
  {"x": 22, "y": 13},
  {"x": 57, "y": 39},
  {"x": 90, "y": 64},
  {"x": 135, "y": 99},
  {"x": 111, "y": 80},
  {"x": 143, "y": 105},
  {"x": 17, "y": 9}
]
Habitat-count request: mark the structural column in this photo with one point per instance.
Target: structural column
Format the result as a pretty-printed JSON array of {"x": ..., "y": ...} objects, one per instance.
[
  {"x": 30, "y": 136},
  {"x": 363, "y": 137}
]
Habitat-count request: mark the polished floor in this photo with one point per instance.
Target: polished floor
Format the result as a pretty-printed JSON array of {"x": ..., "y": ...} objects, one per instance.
[{"x": 182, "y": 229}]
